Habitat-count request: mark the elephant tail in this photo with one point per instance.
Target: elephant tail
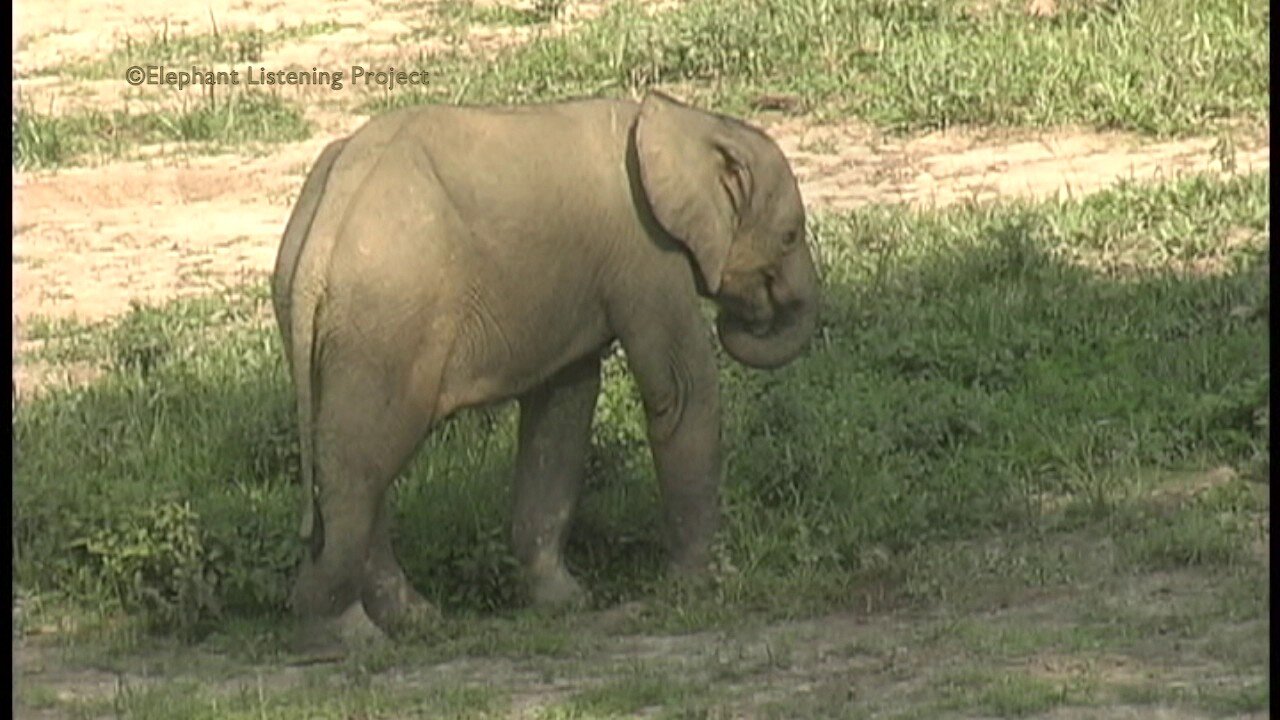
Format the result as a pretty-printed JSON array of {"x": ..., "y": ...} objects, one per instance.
[
  {"x": 296, "y": 233},
  {"x": 303, "y": 350},
  {"x": 296, "y": 295}
]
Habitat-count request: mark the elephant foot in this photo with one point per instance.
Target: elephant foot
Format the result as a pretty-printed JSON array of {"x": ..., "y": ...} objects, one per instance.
[
  {"x": 394, "y": 605},
  {"x": 333, "y": 639},
  {"x": 618, "y": 618},
  {"x": 691, "y": 562},
  {"x": 556, "y": 589},
  {"x": 691, "y": 573}
]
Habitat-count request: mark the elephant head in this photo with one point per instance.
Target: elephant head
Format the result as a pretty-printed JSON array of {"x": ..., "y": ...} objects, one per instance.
[{"x": 725, "y": 191}]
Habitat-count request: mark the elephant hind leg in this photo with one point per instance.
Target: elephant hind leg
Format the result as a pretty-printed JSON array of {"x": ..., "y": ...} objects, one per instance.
[
  {"x": 555, "y": 433},
  {"x": 365, "y": 434},
  {"x": 389, "y": 598}
]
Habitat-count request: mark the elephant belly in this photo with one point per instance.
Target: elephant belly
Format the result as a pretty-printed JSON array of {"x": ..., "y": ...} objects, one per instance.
[{"x": 497, "y": 360}]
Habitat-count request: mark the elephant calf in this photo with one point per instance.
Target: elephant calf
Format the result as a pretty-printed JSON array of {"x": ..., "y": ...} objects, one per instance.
[{"x": 441, "y": 258}]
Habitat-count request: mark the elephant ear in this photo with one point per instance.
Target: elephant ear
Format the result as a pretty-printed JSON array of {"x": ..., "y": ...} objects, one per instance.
[{"x": 696, "y": 177}]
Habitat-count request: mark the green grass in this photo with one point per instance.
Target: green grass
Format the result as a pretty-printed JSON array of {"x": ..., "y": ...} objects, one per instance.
[
  {"x": 1001, "y": 694},
  {"x": 209, "y": 124},
  {"x": 972, "y": 361},
  {"x": 638, "y": 688},
  {"x": 466, "y": 13},
  {"x": 246, "y": 701},
  {"x": 1195, "y": 535},
  {"x": 1222, "y": 701},
  {"x": 1159, "y": 68},
  {"x": 454, "y": 19},
  {"x": 180, "y": 51}
]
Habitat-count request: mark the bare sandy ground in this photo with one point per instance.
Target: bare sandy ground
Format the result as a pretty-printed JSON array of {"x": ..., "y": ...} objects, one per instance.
[{"x": 88, "y": 241}]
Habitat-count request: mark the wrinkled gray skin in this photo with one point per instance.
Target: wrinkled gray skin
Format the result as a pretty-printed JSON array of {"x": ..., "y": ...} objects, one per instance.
[{"x": 446, "y": 257}]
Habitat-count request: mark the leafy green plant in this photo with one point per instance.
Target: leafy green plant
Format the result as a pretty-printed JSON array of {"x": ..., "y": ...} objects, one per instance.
[{"x": 155, "y": 560}]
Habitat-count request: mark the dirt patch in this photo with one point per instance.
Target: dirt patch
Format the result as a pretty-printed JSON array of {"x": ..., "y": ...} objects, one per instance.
[
  {"x": 844, "y": 166},
  {"x": 89, "y": 242},
  {"x": 146, "y": 231},
  {"x": 153, "y": 230},
  {"x": 82, "y": 29},
  {"x": 375, "y": 34},
  {"x": 895, "y": 660}
]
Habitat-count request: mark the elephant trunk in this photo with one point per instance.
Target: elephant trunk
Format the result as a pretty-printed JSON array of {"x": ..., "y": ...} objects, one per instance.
[{"x": 793, "y": 290}]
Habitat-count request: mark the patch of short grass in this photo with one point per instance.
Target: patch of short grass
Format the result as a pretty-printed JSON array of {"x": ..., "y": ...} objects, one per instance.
[
  {"x": 466, "y": 11},
  {"x": 1007, "y": 694},
  {"x": 968, "y": 367},
  {"x": 992, "y": 641},
  {"x": 49, "y": 141},
  {"x": 36, "y": 696},
  {"x": 1228, "y": 699},
  {"x": 637, "y": 689},
  {"x": 249, "y": 700},
  {"x": 1187, "y": 537},
  {"x": 1105, "y": 606},
  {"x": 1159, "y": 68},
  {"x": 455, "y": 19},
  {"x": 525, "y": 634},
  {"x": 831, "y": 699},
  {"x": 235, "y": 46}
]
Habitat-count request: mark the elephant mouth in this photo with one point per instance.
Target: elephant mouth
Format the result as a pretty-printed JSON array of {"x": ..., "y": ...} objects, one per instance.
[
  {"x": 754, "y": 316},
  {"x": 751, "y": 325},
  {"x": 768, "y": 325}
]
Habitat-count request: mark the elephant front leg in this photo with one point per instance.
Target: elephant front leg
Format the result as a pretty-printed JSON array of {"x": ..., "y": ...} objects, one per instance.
[
  {"x": 676, "y": 371},
  {"x": 555, "y": 429},
  {"x": 686, "y": 454}
]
